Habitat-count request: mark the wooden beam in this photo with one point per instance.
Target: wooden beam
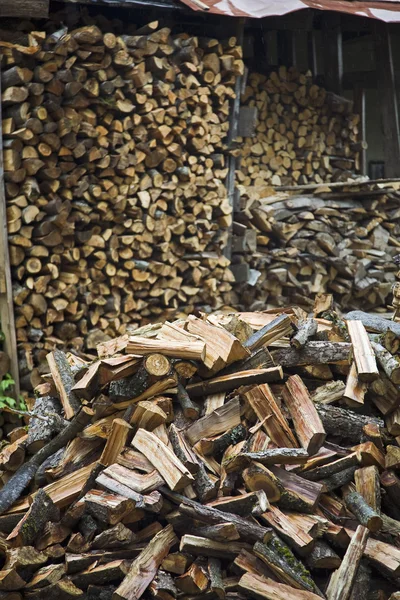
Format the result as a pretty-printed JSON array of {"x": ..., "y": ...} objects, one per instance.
[
  {"x": 39, "y": 9},
  {"x": 233, "y": 127},
  {"x": 333, "y": 52},
  {"x": 359, "y": 108},
  {"x": 388, "y": 98},
  {"x": 312, "y": 52},
  {"x": 6, "y": 299}
]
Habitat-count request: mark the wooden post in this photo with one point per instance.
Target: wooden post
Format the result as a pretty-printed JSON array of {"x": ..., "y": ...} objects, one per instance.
[
  {"x": 359, "y": 108},
  {"x": 333, "y": 52},
  {"x": 388, "y": 99},
  {"x": 312, "y": 52},
  {"x": 7, "y": 322},
  {"x": 233, "y": 127}
]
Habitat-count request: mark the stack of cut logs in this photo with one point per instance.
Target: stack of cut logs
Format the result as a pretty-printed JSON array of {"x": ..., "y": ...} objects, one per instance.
[
  {"x": 114, "y": 167},
  {"x": 214, "y": 457},
  {"x": 287, "y": 248},
  {"x": 295, "y": 132}
]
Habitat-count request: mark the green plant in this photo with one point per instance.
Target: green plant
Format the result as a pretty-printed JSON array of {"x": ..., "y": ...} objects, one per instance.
[
  {"x": 5, "y": 384},
  {"x": 8, "y": 401}
]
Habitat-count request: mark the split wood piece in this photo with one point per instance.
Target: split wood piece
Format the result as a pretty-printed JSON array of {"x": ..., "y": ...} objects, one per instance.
[
  {"x": 244, "y": 505},
  {"x": 193, "y": 350},
  {"x": 355, "y": 389},
  {"x": 329, "y": 392},
  {"x": 345, "y": 424},
  {"x": 342, "y": 580},
  {"x": 368, "y": 485},
  {"x": 382, "y": 555},
  {"x": 299, "y": 494},
  {"x": 213, "y": 402},
  {"x": 222, "y": 347},
  {"x": 224, "y": 532},
  {"x": 41, "y": 511},
  {"x": 199, "y": 546},
  {"x": 205, "y": 487},
  {"x": 114, "y": 570},
  {"x": 164, "y": 460},
  {"x": 267, "y": 588},
  {"x": 296, "y": 537},
  {"x": 282, "y": 562},
  {"x": 115, "y": 442},
  {"x": 218, "y": 444},
  {"x": 141, "y": 483},
  {"x": 331, "y": 468},
  {"x": 41, "y": 431},
  {"x": 338, "y": 479},
  {"x": 107, "y": 508},
  {"x": 272, "y": 332},
  {"x": 307, "y": 423},
  {"x": 366, "y": 515},
  {"x": 226, "y": 417},
  {"x": 61, "y": 589},
  {"x": 148, "y": 415},
  {"x": 323, "y": 557},
  {"x": 10, "y": 580},
  {"x": 247, "y": 562},
  {"x": 364, "y": 356},
  {"x": 194, "y": 581},
  {"x": 313, "y": 353},
  {"x": 392, "y": 458},
  {"x": 64, "y": 382},
  {"x": 15, "y": 486},
  {"x": 46, "y": 576},
  {"x": 24, "y": 560},
  {"x": 265, "y": 406},
  {"x": 368, "y": 454},
  {"x": 182, "y": 449},
  {"x": 388, "y": 363},
  {"x": 156, "y": 389},
  {"x": 144, "y": 568},
  {"x": 306, "y": 329},
  {"x": 189, "y": 408},
  {"x": 247, "y": 529},
  {"x": 259, "y": 359},
  {"x": 228, "y": 383},
  {"x": 216, "y": 581}
]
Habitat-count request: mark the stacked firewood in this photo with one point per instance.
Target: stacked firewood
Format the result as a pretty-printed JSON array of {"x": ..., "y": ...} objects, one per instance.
[
  {"x": 114, "y": 160},
  {"x": 287, "y": 247},
  {"x": 294, "y": 132},
  {"x": 212, "y": 457}
]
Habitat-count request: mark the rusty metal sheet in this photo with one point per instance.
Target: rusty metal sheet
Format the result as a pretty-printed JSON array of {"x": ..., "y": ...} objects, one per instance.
[{"x": 384, "y": 10}]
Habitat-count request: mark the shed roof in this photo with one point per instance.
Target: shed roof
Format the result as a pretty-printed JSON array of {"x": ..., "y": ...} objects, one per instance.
[{"x": 384, "y": 10}]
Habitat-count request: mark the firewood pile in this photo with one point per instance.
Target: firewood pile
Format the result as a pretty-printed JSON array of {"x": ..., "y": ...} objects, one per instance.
[
  {"x": 295, "y": 132},
  {"x": 288, "y": 247},
  {"x": 115, "y": 162},
  {"x": 219, "y": 456}
]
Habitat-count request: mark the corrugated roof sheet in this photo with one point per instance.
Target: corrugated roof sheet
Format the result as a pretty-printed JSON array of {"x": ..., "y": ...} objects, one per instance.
[{"x": 384, "y": 10}]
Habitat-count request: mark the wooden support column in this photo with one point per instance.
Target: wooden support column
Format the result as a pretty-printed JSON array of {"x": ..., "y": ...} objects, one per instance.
[
  {"x": 312, "y": 52},
  {"x": 333, "y": 52},
  {"x": 388, "y": 99},
  {"x": 7, "y": 323},
  {"x": 359, "y": 108},
  {"x": 233, "y": 128}
]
